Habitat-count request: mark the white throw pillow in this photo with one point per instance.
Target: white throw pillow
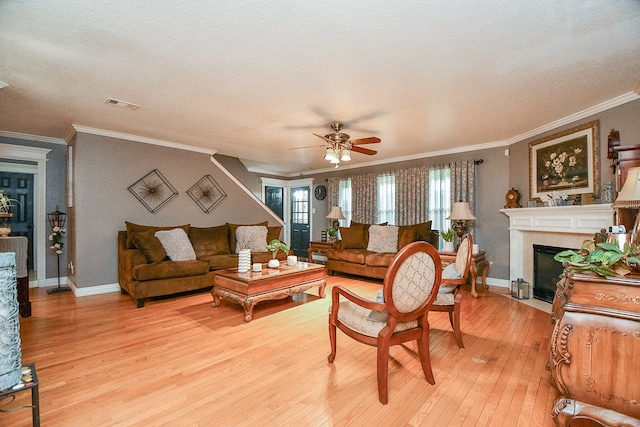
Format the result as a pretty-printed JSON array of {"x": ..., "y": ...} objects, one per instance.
[
  {"x": 176, "y": 244},
  {"x": 450, "y": 272},
  {"x": 383, "y": 238},
  {"x": 252, "y": 237}
]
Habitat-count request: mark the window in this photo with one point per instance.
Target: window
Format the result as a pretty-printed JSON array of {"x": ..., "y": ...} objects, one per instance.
[
  {"x": 344, "y": 200},
  {"x": 439, "y": 197},
  {"x": 387, "y": 198}
]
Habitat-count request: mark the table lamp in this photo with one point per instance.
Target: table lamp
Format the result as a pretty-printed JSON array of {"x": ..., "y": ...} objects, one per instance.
[
  {"x": 460, "y": 215},
  {"x": 335, "y": 214},
  {"x": 629, "y": 197}
]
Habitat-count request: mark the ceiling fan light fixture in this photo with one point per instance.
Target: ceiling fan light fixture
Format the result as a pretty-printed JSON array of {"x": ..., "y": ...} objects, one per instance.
[
  {"x": 329, "y": 155},
  {"x": 335, "y": 160},
  {"x": 345, "y": 156}
]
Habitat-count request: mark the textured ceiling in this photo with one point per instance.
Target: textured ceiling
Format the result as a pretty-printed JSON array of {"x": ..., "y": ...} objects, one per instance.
[{"x": 253, "y": 79}]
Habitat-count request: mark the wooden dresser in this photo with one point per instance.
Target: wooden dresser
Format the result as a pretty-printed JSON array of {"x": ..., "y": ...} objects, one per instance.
[{"x": 595, "y": 350}]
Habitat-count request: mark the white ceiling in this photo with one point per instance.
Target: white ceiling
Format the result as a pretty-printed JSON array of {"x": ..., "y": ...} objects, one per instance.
[{"x": 253, "y": 79}]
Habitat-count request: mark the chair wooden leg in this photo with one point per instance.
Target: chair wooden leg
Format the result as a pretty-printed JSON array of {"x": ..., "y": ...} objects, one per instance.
[
  {"x": 456, "y": 324},
  {"x": 425, "y": 358},
  {"x": 332, "y": 339},
  {"x": 383, "y": 370}
]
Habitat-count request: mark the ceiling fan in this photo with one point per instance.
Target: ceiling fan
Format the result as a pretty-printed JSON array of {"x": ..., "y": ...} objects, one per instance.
[{"x": 340, "y": 145}]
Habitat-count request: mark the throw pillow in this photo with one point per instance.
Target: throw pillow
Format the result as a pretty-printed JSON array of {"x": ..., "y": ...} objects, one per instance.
[
  {"x": 383, "y": 238},
  {"x": 450, "y": 272},
  {"x": 132, "y": 228},
  {"x": 210, "y": 241},
  {"x": 424, "y": 231},
  {"x": 352, "y": 238},
  {"x": 252, "y": 237},
  {"x": 273, "y": 233},
  {"x": 149, "y": 245},
  {"x": 406, "y": 235},
  {"x": 177, "y": 245},
  {"x": 232, "y": 233}
]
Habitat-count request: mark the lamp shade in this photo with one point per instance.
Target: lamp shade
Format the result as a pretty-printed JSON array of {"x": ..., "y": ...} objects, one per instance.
[
  {"x": 335, "y": 213},
  {"x": 629, "y": 196},
  {"x": 461, "y": 212}
]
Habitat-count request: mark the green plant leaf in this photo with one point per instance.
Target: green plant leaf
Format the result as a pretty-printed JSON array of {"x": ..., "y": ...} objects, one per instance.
[{"x": 609, "y": 247}]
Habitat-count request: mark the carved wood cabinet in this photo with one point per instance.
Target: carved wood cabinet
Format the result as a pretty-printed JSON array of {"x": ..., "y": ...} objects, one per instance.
[{"x": 595, "y": 350}]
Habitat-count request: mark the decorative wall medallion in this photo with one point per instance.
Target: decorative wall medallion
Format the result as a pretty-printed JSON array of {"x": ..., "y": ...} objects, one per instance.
[
  {"x": 207, "y": 193},
  {"x": 153, "y": 191}
]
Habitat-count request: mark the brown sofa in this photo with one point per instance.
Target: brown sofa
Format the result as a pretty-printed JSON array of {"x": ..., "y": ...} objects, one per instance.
[
  {"x": 145, "y": 270},
  {"x": 352, "y": 254}
]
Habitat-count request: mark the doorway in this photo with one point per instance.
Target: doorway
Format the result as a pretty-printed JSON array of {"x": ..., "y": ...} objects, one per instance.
[
  {"x": 19, "y": 186},
  {"x": 300, "y": 219}
]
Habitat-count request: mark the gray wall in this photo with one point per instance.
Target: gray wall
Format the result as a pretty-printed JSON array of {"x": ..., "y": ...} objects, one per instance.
[{"x": 103, "y": 170}]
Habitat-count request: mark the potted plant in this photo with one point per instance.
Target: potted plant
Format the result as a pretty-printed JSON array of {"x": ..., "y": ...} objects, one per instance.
[
  {"x": 274, "y": 246},
  {"x": 5, "y": 205},
  {"x": 448, "y": 237},
  {"x": 332, "y": 233},
  {"x": 604, "y": 259}
]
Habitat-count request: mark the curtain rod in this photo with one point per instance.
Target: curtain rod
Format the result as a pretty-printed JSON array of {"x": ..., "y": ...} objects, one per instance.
[{"x": 477, "y": 162}]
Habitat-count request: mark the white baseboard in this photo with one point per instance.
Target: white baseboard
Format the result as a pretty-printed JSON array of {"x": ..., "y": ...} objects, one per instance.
[
  {"x": 78, "y": 292},
  {"x": 498, "y": 282}
]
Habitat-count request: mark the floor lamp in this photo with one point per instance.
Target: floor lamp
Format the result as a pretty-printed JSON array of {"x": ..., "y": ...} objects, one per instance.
[{"x": 57, "y": 220}]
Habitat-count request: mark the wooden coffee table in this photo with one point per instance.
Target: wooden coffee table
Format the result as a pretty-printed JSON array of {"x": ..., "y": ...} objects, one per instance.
[{"x": 248, "y": 289}]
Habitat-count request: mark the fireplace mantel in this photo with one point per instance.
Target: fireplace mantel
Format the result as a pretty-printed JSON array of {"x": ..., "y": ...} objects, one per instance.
[{"x": 561, "y": 221}]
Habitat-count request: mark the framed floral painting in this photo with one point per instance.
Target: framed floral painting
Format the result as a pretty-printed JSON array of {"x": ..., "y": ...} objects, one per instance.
[{"x": 567, "y": 162}]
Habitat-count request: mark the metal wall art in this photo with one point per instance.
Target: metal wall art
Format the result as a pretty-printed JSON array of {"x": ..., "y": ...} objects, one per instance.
[
  {"x": 153, "y": 191},
  {"x": 207, "y": 193}
]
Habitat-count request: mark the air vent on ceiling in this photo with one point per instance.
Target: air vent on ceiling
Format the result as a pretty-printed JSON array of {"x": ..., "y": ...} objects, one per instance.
[{"x": 121, "y": 104}]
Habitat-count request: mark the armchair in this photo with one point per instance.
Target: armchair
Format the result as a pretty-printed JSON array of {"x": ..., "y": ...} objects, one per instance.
[
  {"x": 453, "y": 277},
  {"x": 409, "y": 288}
]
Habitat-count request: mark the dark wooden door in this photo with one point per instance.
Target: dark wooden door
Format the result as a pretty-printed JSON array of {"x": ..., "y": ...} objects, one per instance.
[
  {"x": 300, "y": 232},
  {"x": 273, "y": 197},
  {"x": 19, "y": 186}
]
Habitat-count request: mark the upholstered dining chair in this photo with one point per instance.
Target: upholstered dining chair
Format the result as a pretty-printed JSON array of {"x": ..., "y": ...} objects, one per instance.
[
  {"x": 409, "y": 288},
  {"x": 453, "y": 277}
]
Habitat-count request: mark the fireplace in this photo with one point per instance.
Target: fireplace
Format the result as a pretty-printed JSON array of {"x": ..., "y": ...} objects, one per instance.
[
  {"x": 559, "y": 227},
  {"x": 546, "y": 271}
]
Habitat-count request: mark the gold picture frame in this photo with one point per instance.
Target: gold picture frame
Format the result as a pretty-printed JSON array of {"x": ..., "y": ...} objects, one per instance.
[{"x": 567, "y": 162}]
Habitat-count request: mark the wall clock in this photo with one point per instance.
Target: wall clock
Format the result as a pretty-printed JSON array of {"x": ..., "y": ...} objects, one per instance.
[
  {"x": 321, "y": 192},
  {"x": 513, "y": 199}
]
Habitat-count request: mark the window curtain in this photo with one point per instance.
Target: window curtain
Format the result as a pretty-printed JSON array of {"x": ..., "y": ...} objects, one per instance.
[
  {"x": 364, "y": 198},
  {"x": 412, "y": 196},
  {"x": 463, "y": 185},
  {"x": 339, "y": 194}
]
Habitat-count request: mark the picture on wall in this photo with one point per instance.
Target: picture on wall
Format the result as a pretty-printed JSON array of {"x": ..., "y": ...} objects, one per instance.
[
  {"x": 153, "y": 190},
  {"x": 567, "y": 162},
  {"x": 207, "y": 193}
]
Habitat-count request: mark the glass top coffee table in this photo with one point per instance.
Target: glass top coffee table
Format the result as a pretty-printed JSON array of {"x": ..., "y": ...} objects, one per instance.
[{"x": 248, "y": 289}]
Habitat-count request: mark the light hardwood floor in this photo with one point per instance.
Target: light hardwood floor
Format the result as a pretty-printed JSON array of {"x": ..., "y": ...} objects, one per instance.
[{"x": 180, "y": 362}]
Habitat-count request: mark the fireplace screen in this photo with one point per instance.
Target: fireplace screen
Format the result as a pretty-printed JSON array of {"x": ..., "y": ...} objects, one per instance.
[{"x": 546, "y": 271}]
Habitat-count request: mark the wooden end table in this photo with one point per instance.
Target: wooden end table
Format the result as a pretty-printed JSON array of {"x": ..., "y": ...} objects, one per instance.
[
  {"x": 479, "y": 265},
  {"x": 248, "y": 289},
  {"x": 29, "y": 382},
  {"x": 317, "y": 247}
]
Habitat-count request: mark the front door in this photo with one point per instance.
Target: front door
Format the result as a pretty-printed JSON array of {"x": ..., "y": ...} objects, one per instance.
[
  {"x": 19, "y": 186},
  {"x": 273, "y": 197},
  {"x": 300, "y": 231}
]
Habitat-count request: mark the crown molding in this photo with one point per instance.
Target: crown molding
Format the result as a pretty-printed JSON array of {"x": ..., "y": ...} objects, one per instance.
[
  {"x": 26, "y": 136},
  {"x": 142, "y": 139}
]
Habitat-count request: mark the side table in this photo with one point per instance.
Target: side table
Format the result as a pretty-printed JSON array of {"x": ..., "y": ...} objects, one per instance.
[
  {"x": 35, "y": 395},
  {"x": 317, "y": 247},
  {"x": 479, "y": 266}
]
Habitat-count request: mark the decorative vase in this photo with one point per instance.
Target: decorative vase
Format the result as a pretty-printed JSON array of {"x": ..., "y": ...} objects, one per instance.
[
  {"x": 273, "y": 263},
  {"x": 447, "y": 247},
  {"x": 5, "y": 230}
]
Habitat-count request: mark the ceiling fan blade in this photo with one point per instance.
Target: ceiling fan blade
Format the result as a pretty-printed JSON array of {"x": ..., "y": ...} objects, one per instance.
[
  {"x": 325, "y": 138},
  {"x": 307, "y": 146},
  {"x": 363, "y": 150},
  {"x": 370, "y": 140}
]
